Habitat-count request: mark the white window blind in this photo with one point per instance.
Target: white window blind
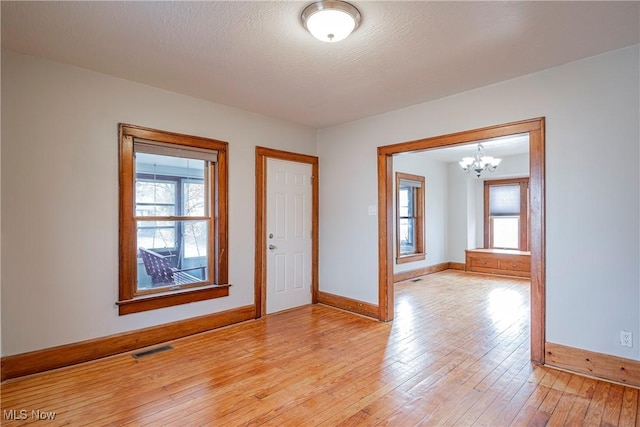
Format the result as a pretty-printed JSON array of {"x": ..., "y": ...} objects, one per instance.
[
  {"x": 410, "y": 183},
  {"x": 504, "y": 200},
  {"x": 173, "y": 150}
]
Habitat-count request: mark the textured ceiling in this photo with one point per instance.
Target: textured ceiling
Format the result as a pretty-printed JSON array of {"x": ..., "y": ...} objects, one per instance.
[{"x": 257, "y": 56}]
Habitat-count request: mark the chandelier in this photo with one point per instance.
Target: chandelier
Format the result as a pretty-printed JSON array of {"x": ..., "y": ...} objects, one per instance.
[{"x": 479, "y": 162}]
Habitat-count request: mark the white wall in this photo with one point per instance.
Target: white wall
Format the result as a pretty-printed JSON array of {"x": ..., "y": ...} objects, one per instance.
[
  {"x": 435, "y": 174},
  {"x": 60, "y": 197},
  {"x": 0, "y": 222},
  {"x": 592, "y": 190},
  {"x": 461, "y": 212}
]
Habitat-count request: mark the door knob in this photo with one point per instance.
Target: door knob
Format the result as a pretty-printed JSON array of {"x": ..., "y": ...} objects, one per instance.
[{"x": 272, "y": 247}]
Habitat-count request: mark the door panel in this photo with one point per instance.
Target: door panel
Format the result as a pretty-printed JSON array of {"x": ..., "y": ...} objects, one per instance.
[{"x": 288, "y": 235}]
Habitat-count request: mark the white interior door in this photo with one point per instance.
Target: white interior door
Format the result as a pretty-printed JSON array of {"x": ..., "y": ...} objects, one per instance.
[{"x": 288, "y": 235}]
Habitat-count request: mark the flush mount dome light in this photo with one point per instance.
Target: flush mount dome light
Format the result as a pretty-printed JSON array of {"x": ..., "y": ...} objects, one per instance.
[{"x": 330, "y": 20}]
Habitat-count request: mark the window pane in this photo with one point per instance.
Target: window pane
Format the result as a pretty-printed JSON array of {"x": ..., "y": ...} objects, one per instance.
[
  {"x": 403, "y": 204},
  {"x": 407, "y": 236},
  {"x": 160, "y": 178},
  {"x": 155, "y": 237},
  {"x": 194, "y": 198},
  {"x": 506, "y": 232},
  {"x": 172, "y": 253},
  {"x": 155, "y": 198},
  {"x": 194, "y": 239}
]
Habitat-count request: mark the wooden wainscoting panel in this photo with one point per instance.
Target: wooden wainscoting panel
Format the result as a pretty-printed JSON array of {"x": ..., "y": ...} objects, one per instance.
[
  {"x": 348, "y": 304},
  {"x": 65, "y": 355},
  {"x": 612, "y": 368},
  {"x": 412, "y": 274}
]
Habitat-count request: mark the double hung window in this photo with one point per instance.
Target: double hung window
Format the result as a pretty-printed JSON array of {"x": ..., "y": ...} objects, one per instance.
[
  {"x": 506, "y": 214},
  {"x": 409, "y": 217},
  {"x": 172, "y": 219}
]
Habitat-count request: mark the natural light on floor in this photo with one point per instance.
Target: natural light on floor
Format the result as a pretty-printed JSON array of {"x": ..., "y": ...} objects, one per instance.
[{"x": 505, "y": 305}]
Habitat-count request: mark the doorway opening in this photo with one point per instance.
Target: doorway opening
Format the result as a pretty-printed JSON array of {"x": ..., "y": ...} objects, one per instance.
[{"x": 535, "y": 130}]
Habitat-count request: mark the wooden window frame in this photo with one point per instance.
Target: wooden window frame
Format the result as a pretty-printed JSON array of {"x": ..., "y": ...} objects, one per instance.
[
  {"x": 130, "y": 300},
  {"x": 523, "y": 237},
  {"x": 419, "y": 217}
]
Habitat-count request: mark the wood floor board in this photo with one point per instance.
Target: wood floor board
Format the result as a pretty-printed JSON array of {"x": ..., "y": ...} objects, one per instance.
[
  {"x": 504, "y": 416},
  {"x": 596, "y": 406},
  {"x": 530, "y": 407},
  {"x": 629, "y": 408},
  {"x": 561, "y": 410},
  {"x": 494, "y": 391},
  {"x": 613, "y": 405},
  {"x": 383, "y": 408},
  {"x": 503, "y": 409},
  {"x": 581, "y": 403},
  {"x": 407, "y": 415},
  {"x": 456, "y": 354},
  {"x": 350, "y": 388}
]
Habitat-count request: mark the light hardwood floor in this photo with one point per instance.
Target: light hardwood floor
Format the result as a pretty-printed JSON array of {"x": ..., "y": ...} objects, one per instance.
[{"x": 457, "y": 354}]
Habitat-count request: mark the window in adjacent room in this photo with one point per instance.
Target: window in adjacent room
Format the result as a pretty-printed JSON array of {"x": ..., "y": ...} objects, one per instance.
[
  {"x": 173, "y": 219},
  {"x": 506, "y": 214},
  {"x": 409, "y": 217}
]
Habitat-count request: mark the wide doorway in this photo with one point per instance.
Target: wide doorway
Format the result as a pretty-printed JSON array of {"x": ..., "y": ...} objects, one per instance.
[{"x": 535, "y": 130}]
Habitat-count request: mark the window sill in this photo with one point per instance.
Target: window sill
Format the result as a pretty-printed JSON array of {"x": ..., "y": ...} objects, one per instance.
[
  {"x": 410, "y": 258},
  {"x": 137, "y": 305}
]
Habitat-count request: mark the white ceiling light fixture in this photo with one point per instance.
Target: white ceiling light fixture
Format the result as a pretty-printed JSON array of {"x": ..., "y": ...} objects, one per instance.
[
  {"x": 479, "y": 162},
  {"x": 330, "y": 20}
]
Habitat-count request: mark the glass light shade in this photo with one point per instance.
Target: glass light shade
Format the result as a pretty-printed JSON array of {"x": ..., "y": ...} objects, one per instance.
[
  {"x": 495, "y": 162},
  {"x": 466, "y": 162},
  {"x": 330, "y": 25},
  {"x": 486, "y": 159},
  {"x": 330, "y": 20}
]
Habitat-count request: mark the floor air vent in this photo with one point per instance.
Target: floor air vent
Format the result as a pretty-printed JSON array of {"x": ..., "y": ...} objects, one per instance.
[
  {"x": 416, "y": 280},
  {"x": 152, "y": 351}
]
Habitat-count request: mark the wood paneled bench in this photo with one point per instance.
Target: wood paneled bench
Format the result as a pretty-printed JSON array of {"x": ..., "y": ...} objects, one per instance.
[{"x": 505, "y": 262}]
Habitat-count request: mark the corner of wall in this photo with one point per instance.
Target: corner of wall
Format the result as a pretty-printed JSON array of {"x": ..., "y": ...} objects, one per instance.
[{"x": 1, "y": 323}]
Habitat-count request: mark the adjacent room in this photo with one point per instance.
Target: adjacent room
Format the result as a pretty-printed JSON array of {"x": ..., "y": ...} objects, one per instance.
[{"x": 225, "y": 213}]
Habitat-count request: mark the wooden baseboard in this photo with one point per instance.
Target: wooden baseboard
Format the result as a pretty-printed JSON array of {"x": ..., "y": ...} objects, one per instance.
[
  {"x": 604, "y": 366},
  {"x": 348, "y": 304},
  {"x": 411, "y": 274},
  {"x": 457, "y": 266},
  {"x": 84, "y": 351}
]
